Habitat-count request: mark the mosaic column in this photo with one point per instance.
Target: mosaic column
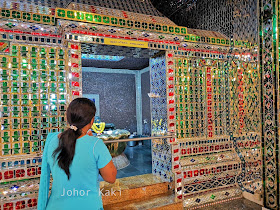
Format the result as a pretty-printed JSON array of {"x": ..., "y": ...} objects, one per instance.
[
  {"x": 161, "y": 150},
  {"x": 269, "y": 69},
  {"x": 75, "y": 70}
]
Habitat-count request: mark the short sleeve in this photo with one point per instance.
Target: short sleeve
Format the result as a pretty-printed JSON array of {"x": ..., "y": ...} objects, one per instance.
[{"x": 101, "y": 154}]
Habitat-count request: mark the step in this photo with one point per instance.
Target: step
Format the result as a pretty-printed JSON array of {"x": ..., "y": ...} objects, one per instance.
[
  {"x": 158, "y": 202},
  {"x": 133, "y": 188}
]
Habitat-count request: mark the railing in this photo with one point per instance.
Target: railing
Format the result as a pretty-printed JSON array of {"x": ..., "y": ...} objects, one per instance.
[{"x": 138, "y": 139}]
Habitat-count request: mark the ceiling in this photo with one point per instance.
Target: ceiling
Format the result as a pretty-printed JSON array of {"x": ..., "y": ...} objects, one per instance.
[
  {"x": 126, "y": 63},
  {"x": 134, "y": 58}
]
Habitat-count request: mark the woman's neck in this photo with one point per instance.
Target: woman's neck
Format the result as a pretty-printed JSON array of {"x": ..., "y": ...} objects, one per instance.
[{"x": 84, "y": 132}]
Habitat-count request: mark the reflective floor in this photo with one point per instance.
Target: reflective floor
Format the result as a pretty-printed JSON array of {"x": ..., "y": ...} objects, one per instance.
[
  {"x": 239, "y": 204},
  {"x": 140, "y": 158}
]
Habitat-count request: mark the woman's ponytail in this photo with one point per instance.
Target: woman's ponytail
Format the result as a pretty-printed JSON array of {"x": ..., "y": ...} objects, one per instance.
[{"x": 79, "y": 114}]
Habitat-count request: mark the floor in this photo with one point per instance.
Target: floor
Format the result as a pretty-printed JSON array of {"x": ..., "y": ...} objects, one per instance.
[
  {"x": 140, "y": 158},
  {"x": 239, "y": 204}
]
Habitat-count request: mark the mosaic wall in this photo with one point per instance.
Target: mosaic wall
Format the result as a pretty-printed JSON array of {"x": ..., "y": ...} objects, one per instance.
[
  {"x": 269, "y": 68},
  {"x": 33, "y": 95},
  {"x": 161, "y": 153},
  {"x": 36, "y": 84},
  {"x": 120, "y": 13},
  {"x": 217, "y": 127},
  {"x": 205, "y": 89}
]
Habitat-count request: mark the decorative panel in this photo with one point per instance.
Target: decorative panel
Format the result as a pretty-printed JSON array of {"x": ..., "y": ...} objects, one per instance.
[
  {"x": 33, "y": 93},
  {"x": 161, "y": 151}
]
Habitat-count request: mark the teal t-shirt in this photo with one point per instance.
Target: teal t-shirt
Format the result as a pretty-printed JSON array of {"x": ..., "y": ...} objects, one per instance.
[{"x": 81, "y": 191}]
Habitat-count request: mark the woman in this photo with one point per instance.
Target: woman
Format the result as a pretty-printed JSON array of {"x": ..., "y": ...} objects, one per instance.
[{"x": 75, "y": 159}]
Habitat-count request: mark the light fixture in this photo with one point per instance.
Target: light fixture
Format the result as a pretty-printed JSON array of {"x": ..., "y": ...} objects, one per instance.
[{"x": 102, "y": 57}]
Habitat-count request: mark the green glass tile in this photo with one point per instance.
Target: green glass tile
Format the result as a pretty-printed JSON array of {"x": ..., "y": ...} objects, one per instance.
[
  {"x": 52, "y": 76},
  {"x": 183, "y": 31},
  {"x": 52, "y": 64},
  {"x": 130, "y": 23},
  {"x": 151, "y": 26},
  {"x": 15, "y": 74},
  {"x": 171, "y": 29},
  {"x": 61, "y": 53},
  {"x": 36, "y": 17},
  {"x": 26, "y": 16},
  {"x": 70, "y": 14},
  {"x": 6, "y": 124},
  {"x": 158, "y": 27},
  {"x": 26, "y": 148},
  {"x": 144, "y": 25},
  {"x": 6, "y": 137},
  {"x": 81, "y": 16},
  {"x": 97, "y": 18},
  {"x": 5, "y": 13},
  {"x": 25, "y": 111},
  {"x": 177, "y": 30},
  {"x": 16, "y": 14},
  {"x": 15, "y": 111},
  {"x": 46, "y": 19},
  {"x": 122, "y": 22},
  {"x": 137, "y": 24},
  {"x": 106, "y": 19},
  {"x": 61, "y": 13},
  {"x": 24, "y": 63},
  {"x": 89, "y": 17},
  {"x": 14, "y": 51},
  {"x": 114, "y": 21}
]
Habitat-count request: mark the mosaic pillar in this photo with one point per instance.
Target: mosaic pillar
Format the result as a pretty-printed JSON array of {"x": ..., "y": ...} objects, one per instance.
[
  {"x": 269, "y": 68},
  {"x": 75, "y": 70},
  {"x": 161, "y": 150}
]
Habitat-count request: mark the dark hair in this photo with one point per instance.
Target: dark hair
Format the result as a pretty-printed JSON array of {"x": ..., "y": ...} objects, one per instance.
[{"x": 79, "y": 113}]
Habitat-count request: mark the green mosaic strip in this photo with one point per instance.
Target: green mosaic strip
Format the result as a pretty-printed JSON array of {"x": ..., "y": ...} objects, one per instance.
[
  {"x": 217, "y": 41},
  {"x": 27, "y": 16},
  {"x": 119, "y": 22}
]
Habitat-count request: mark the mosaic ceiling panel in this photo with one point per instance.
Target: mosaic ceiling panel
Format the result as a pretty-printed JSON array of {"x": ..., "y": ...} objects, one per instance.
[{"x": 117, "y": 51}]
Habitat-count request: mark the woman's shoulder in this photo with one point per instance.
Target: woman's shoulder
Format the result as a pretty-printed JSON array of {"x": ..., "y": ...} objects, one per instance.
[
  {"x": 52, "y": 136},
  {"x": 92, "y": 139}
]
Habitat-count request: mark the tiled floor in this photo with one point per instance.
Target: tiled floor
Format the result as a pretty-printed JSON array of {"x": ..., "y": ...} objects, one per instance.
[
  {"x": 140, "y": 158},
  {"x": 239, "y": 204}
]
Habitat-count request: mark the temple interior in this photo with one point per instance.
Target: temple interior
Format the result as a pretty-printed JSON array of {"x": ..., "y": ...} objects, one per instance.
[{"x": 186, "y": 93}]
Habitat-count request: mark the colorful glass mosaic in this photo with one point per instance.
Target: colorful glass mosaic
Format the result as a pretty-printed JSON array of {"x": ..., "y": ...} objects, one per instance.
[
  {"x": 161, "y": 153},
  {"x": 206, "y": 88},
  {"x": 33, "y": 96},
  {"x": 269, "y": 69},
  {"x": 115, "y": 21}
]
